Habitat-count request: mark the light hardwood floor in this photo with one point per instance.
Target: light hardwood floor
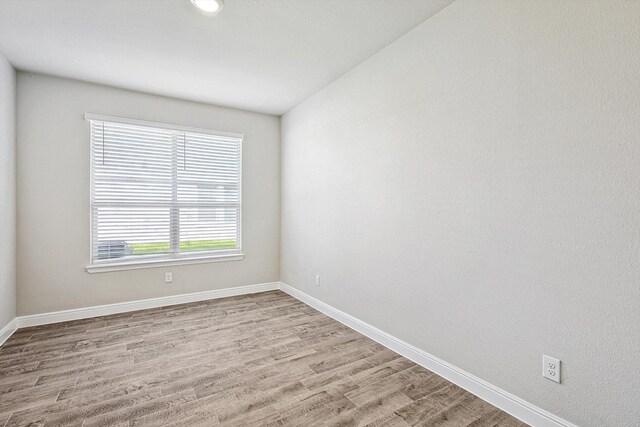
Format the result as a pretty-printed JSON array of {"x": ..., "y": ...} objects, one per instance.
[{"x": 255, "y": 360}]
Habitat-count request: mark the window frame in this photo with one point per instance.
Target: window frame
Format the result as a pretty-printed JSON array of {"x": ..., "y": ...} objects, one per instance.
[{"x": 166, "y": 259}]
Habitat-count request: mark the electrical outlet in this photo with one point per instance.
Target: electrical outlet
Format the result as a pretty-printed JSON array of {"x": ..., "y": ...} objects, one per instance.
[
  {"x": 168, "y": 277},
  {"x": 317, "y": 280},
  {"x": 551, "y": 368}
]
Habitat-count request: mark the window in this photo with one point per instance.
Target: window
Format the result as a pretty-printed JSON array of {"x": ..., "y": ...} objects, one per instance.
[{"x": 162, "y": 193}]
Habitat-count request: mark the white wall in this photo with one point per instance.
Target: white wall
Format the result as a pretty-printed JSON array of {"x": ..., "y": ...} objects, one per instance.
[
  {"x": 474, "y": 189},
  {"x": 7, "y": 192},
  {"x": 53, "y": 196}
]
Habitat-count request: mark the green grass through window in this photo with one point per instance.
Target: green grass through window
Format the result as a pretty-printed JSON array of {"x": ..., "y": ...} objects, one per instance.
[{"x": 185, "y": 246}]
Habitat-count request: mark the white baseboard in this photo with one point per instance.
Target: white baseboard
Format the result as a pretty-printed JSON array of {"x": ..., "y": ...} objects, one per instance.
[
  {"x": 7, "y": 331},
  {"x": 123, "y": 307},
  {"x": 509, "y": 403}
]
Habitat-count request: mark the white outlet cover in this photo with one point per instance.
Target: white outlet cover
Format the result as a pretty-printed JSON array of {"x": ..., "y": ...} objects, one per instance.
[
  {"x": 168, "y": 277},
  {"x": 551, "y": 368}
]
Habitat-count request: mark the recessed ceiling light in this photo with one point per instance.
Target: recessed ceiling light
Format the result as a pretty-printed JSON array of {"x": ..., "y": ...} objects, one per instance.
[{"x": 210, "y": 7}]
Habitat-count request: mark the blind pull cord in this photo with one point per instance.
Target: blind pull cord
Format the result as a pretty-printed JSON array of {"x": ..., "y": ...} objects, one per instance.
[{"x": 102, "y": 143}]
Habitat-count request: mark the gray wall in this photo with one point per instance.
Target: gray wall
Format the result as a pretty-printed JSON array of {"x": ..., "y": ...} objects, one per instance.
[
  {"x": 53, "y": 196},
  {"x": 7, "y": 192},
  {"x": 474, "y": 190}
]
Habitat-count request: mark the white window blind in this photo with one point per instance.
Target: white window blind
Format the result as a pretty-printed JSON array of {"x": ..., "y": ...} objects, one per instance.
[{"x": 163, "y": 192}]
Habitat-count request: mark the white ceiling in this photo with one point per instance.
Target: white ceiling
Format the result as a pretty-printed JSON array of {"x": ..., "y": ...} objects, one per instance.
[{"x": 260, "y": 55}]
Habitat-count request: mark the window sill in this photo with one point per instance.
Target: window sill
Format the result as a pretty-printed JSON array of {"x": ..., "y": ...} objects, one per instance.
[{"x": 134, "y": 265}]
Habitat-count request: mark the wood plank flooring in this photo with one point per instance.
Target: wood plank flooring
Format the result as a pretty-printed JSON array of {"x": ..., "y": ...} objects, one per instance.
[{"x": 255, "y": 360}]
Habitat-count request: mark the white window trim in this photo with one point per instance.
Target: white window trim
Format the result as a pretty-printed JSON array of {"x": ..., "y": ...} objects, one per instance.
[
  {"x": 164, "y": 262},
  {"x": 125, "y": 121},
  {"x": 151, "y": 261}
]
